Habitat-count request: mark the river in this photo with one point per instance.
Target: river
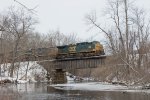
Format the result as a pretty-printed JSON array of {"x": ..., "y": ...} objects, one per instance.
[{"x": 41, "y": 91}]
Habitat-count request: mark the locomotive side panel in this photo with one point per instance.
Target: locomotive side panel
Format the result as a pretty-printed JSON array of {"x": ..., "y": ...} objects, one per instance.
[
  {"x": 83, "y": 49},
  {"x": 62, "y": 51}
]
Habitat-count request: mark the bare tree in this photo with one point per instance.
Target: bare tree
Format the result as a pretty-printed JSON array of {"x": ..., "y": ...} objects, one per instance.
[
  {"x": 129, "y": 33},
  {"x": 118, "y": 36},
  {"x": 17, "y": 23},
  {"x": 57, "y": 38},
  {"x": 141, "y": 35},
  {"x": 1, "y": 47}
]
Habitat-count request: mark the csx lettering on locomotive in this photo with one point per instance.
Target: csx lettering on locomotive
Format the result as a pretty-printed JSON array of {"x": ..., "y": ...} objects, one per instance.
[{"x": 83, "y": 49}]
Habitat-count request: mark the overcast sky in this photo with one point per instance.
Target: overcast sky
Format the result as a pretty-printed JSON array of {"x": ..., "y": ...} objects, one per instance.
[{"x": 66, "y": 15}]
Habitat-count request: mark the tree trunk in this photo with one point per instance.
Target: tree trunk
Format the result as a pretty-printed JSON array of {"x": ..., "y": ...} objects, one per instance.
[
  {"x": 14, "y": 58},
  {"x": 27, "y": 70},
  {"x": 127, "y": 35}
]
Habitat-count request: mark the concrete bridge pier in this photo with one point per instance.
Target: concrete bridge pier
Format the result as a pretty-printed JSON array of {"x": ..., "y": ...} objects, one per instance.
[{"x": 59, "y": 76}]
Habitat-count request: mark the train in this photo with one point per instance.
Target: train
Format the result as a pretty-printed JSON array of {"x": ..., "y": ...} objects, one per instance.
[{"x": 82, "y": 49}]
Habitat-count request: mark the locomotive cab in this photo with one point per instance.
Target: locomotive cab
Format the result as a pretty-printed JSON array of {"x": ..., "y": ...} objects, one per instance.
[
  {"x": 72, "y": 50},
  {"x": 98, "y": 48},
  {"x": 62, "y": 51}
]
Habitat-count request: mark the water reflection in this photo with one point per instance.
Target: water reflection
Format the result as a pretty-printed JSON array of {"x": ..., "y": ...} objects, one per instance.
[{"x": 40, "y": 91}]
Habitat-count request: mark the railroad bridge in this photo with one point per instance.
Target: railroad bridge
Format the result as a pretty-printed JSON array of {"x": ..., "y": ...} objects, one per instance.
[{"x": 61, "y": 65}]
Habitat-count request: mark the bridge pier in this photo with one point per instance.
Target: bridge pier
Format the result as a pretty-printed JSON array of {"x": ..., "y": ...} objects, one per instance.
[{"x": 59, "y": 76}]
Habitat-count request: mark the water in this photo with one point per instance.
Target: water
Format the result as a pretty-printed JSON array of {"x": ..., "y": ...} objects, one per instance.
[{"x": 40, "y": 91}]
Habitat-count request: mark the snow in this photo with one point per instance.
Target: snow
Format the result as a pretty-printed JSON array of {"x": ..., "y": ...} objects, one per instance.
[
  {"x": 99, "y": 86},
  {"x": 9, "y": 78},
  {"x": 92, "y": 86},
  {"x": 35, "y": 71},
  {"x": 21, "y": 81},
  {"x": 70, "y": 77}
]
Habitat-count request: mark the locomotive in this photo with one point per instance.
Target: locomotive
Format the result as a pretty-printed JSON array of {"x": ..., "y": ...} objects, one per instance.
[{"x": 83, "y": 49}]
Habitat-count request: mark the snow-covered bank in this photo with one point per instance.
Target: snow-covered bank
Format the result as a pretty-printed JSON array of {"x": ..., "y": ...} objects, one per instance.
[
  {"x": 28, "y": 72},
  {"x": 93, "y": 86},
  {"x": 11, "y": 80},
  {"x": 24, "y": 72}
]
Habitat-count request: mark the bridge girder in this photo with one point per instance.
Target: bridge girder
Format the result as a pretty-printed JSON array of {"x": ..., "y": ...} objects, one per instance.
[{"x": 74, "y": 63}]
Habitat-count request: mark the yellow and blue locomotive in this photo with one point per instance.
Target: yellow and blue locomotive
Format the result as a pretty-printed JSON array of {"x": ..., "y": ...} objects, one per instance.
[{"x": 83, "y": 49}]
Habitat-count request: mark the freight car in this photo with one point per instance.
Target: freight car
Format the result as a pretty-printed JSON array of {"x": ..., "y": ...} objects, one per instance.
[
  {"x": 41, "y": 53},
  {"x": 34, "y": 54},
  {"x": 83, "y": 49}
]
